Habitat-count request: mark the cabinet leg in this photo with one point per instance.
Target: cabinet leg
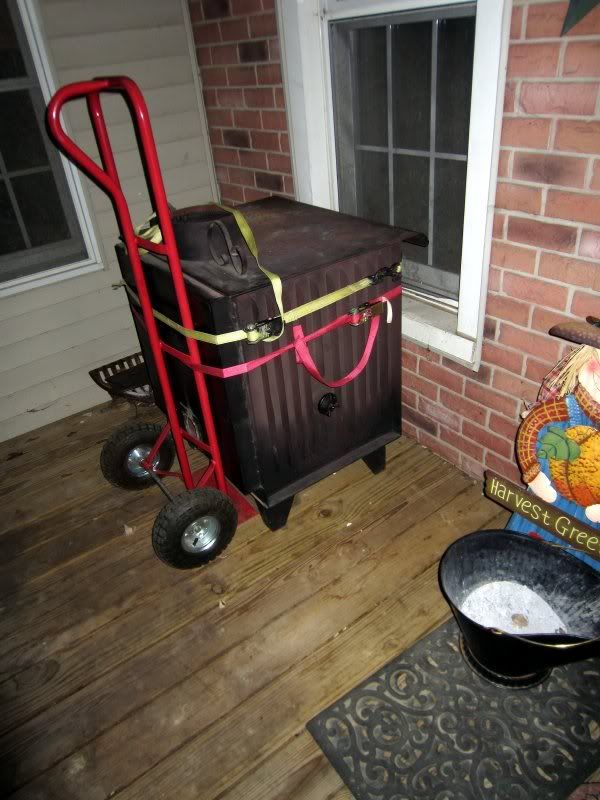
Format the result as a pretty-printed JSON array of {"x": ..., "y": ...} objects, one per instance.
[
  {"x": 276, "y": 516},
  {"x": 375, "y": 461}
]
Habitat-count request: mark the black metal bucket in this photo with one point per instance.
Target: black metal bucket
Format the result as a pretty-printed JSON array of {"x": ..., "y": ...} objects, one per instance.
[{"x": 484, "y": 575}]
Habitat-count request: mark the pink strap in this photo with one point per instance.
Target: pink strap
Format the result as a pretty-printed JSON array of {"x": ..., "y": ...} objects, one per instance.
[{"x": 304, "y": 357}]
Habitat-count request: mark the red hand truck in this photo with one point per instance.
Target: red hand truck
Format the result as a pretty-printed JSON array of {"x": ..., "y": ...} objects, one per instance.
[{"x": 195, "y": 526}]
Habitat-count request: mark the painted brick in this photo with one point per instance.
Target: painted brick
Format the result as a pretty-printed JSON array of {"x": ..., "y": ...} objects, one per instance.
[
  {"x": 419, "y": 420},
  {"x": 253, "y": 51},
  {"x": 549, "y": 169},
  {"x": 536, "y": 370},
  {"x": 589, "y": 246},
  {"x": 573, "y": 206},
  {"x": 441, "y": 376},
  {"x": 420, "y": 385},
  {"x": 440, "y": 414},
  {"x": 263, "y": 140},
  {"x": 254, "y": 194},
  {"x": 207, "y": 33},
  {"x": 224, "y": 54},
  {"x": 461, "y": 443},
  {"x": 464, "y": 407},
  {"x": 263, "y": 25},
  {"x": 233, "y": 30},
  {"x": 503, "y": 426},
  {"x": 509, "y": 97},
  {"x": 516, "y": 22},
  {"x": 542, "y": 234},
  {"x": 223, "y": 155},
  {"x": 266, "y": 180},
  {"x": 274, "y": 120},
  {"x": 535, "y": 290},
  {"x": 534, "y": 344},
  {"x": 525, "y": 132},
  {"x": 582, "y": 59},
  {"x": 543, "y": 319},
  {"x": 492, "y": 441},
  {"x": 279, "y": 162},
  {"x": 259, "y": 98},
  {"x": 234, "y": 137},
  {"x": 558, "y": 98},
  {"x": 533, "y": 60},
  {"x": 214, "y": 76},
  {"x": 508, "y": 256},
  {"x": 514, "y": 197},
  {"x": 245, "y": 177},
  {"x": 503, "y": 164},
  {"x": 230, "y": 98},
  {"x": 504, "y": 468},
  {"x": 241, "y": 76},
  {"x": 490, "y": 399},
  {"x": 570, "y": 270},
  {"x": 508, "y": 309},
  {"x": 219, "y": 117},
  {"x": 215, "y": 9},
  {"x": 483, "y": 374},
  {"x": 511, "y": 360},
  {"x": 545, "y": 21},
  {"x": 253, "y": 158},
  {"x": 269, "y": 74},
  {"x": 577, "y": 136},
  {"x": 585, "y": 303},
  {"x": 514, "y": 386},
  {"x": 447, "y": 453}
]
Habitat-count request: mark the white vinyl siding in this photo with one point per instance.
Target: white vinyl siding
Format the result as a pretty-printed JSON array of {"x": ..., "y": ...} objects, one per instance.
[{"x": 52, "y": 335}]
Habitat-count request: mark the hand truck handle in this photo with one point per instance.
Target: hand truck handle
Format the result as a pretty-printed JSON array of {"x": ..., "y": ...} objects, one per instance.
[{"x": 106, "y": 177}]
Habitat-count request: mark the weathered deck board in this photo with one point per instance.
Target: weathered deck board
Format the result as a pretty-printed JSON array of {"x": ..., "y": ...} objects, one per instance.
[{"x": 122, "y": 678}]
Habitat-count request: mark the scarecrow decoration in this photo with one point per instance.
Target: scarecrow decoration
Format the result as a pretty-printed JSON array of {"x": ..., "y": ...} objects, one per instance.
[{"x": 558, "y": 451}]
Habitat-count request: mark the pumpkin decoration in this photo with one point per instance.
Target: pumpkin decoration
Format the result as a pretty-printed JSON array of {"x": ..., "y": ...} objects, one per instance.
[{"x": 574, "y": 461}]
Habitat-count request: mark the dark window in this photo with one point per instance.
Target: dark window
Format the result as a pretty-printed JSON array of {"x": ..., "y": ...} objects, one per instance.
[
  {"x": 402, "y": 95},
  {"x": 38, "y": 224}
]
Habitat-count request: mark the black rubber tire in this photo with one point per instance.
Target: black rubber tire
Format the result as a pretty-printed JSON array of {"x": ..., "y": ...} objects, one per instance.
[
  {"x": 180, "y": 512},
  {"x": 113, "y": 458}
]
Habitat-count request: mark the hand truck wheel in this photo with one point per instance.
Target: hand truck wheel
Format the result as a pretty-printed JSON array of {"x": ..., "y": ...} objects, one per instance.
[
  {"x": 194, "y": 528},
  {"x": 126, "y": 448}
]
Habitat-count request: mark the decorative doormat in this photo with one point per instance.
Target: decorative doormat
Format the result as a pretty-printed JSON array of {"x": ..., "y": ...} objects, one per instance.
[{"x": 427, "y": 727}]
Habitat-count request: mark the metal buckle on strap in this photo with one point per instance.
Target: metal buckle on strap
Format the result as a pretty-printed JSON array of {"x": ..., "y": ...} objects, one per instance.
[
  {"x": 366, "y": 311},
  {"x": 259, "y": 331}
]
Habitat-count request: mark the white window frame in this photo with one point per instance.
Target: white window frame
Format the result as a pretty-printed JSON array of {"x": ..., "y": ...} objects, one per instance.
[
  {"x": 303, "y": 26},
  {"x": 33, "y": 31}
]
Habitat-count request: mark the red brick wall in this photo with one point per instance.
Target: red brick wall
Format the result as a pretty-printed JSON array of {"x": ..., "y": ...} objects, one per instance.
[
  {"x": 546, "y": 245},
  {"x": 238, "y": 54}
]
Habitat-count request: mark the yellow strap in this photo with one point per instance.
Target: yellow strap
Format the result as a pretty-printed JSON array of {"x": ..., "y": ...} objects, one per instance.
[{"x": 240, "y": 335}]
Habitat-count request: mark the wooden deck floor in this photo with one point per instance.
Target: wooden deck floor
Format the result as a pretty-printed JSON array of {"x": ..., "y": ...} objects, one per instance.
[{"x": 121, "y": 678}]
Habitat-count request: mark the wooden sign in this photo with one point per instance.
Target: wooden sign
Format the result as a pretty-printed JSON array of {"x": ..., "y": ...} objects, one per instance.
[{"x": 575, "y": 533}]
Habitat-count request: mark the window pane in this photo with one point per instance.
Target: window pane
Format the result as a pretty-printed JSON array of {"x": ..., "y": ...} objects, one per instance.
[
  {"x": 11, "y": 61},
  {"x": 449, "y": 209},
  {"x": 372, "y": 186},
  {"x": 456, "y": 41},
  {"x": 41, "y": 208},
  {"x": 371, "y": 86},
  {"x": 411, "y": 85},
  {"x": 10, "y": 234},
  {"x": 411, "y": 199},
  {"x": 21, "y": 142}
]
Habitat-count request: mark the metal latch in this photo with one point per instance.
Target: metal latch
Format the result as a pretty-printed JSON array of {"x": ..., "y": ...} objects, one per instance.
[
  {"x": 366, "y": 311},
  {"x": 259, "y": 331}
]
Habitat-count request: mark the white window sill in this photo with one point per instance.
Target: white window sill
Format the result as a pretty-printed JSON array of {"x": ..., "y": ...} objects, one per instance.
[
  {"x": 49, "y": 276},
  {"x": 435, "y": 328}
]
